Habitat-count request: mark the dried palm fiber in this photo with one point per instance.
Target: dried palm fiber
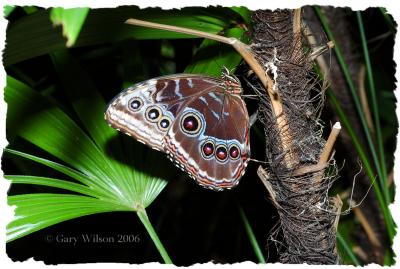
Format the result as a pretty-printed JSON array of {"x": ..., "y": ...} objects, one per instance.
[{"x": 308, "y": 217}]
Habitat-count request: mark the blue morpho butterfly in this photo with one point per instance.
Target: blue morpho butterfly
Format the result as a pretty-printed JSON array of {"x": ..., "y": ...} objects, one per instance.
[{"x": 200, "y": 122}]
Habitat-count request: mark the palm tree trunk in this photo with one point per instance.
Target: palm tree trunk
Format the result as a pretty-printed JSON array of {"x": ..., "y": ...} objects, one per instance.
[{"x": 299, "y": 170}]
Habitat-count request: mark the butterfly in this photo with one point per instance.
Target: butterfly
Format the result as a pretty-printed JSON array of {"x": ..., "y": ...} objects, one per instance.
[{"x": 200, "y": 122}]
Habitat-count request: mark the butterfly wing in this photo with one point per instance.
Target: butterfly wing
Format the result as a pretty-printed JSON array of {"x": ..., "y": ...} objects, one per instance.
[
  {"x": 209, "y": 139},
  {"x": 147, "y": 110}
]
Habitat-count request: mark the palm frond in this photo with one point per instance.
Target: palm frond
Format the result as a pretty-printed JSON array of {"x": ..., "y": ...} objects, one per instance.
[{"x": 103, "y": 183}]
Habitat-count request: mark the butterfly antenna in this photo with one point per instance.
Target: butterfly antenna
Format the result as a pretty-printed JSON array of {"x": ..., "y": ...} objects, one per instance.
[{"x": 250, "y": 85}]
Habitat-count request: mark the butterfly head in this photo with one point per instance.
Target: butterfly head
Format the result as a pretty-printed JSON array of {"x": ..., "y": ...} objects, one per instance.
[{"x": 232, "y": 83}]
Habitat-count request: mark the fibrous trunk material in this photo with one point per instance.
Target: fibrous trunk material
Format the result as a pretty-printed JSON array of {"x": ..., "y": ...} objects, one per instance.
[{"x": 297, "y": 181}]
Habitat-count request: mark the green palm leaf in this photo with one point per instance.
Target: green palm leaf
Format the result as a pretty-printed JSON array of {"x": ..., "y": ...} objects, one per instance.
[
  {"x": 103, "y": 26},
  {"x": 103, "y": 184},
  {"x": 7, "y": 10},
  {"x": 71, "y": 20},
  {"x": 212, "y": 55}
]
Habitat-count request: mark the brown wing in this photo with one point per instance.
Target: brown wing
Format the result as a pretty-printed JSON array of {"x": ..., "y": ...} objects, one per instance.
[
  {"x": 148, "y": 109},
  {"x": 210, "y": 139}
]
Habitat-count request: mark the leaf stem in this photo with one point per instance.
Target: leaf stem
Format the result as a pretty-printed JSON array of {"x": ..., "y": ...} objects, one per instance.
[
  {"x": 347, "y": 249},
  {"x": 375, "y": 109},
  {"x": 223, "y": 39},
  {"x": 252, "y": 237},
  {"x": 149, "y": 227}
]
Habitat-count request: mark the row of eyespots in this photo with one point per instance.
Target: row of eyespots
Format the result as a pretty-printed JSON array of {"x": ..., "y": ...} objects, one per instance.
[
  {"x": 209, "y": 149},
  {"x": 153, "y": 113}
]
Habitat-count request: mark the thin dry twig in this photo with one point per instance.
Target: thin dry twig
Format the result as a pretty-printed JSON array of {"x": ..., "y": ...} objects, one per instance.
[
  {"x": 365, "y": 224},
  {"x": 309, "y": 169},
  {"x": 318, "y": 51},
  {"x": 297, "y": 29},
  {"x": 320, "y": 60},
  {"x": 338, "y": 205},
  {"x": 263, "y": 175},
  {"x": 182, "y": 30},
  {"x": 326, "y": 153},
  {"x": 360, "y": 253}
]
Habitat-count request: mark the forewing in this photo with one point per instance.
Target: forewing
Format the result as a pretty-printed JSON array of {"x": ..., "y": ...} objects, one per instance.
[{"x": 147, "y": 110}]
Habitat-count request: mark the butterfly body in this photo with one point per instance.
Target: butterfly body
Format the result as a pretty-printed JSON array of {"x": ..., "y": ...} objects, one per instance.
[{"x": 200, "y": 122}]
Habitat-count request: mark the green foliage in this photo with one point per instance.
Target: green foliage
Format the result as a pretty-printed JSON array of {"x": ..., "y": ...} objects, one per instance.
[
  {"x": 375, "y": 112},
  {"x": 30, "y": 9},
  {"x": 7, "y": 10},
  {"x": 105, "y": 26},
  {"x": 252, "y": 237},
  {"x": 103, "y": 172},
  {"x": 211, "y": 56},
  {"x": 71, "y": 20},
  {"x": 345, "y": 250},
  {"x": 104, "y": 183}
]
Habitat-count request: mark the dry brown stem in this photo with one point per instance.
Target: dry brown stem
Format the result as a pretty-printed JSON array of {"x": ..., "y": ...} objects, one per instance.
[
  {"x": 182, "y": 30},
  {"x": 318, "y": 51},
  {"x": 263, "y": 175},
  {"x": 309, "y": 169},
  {"x": 326, "y": 153},
  {"x": 361, "y": 254},
  {"x": 337, "y": 202},
  {"x": 371, "y": 234}
]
